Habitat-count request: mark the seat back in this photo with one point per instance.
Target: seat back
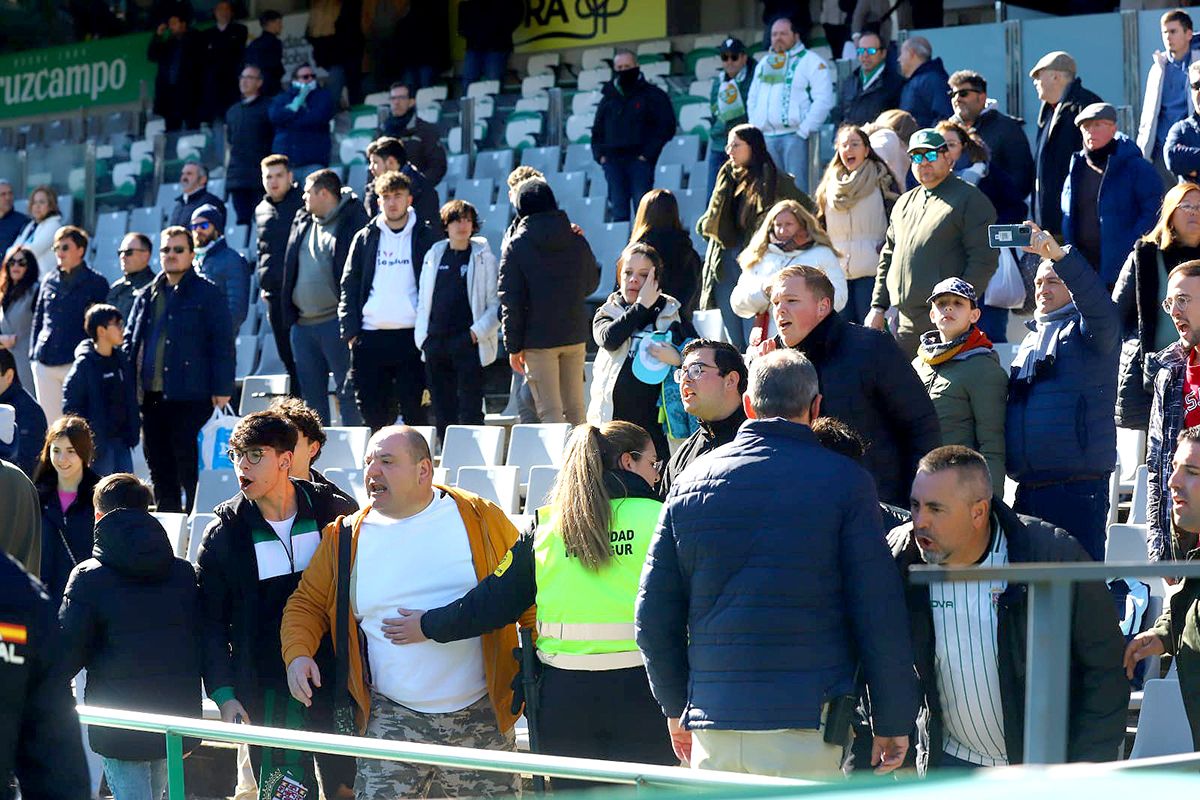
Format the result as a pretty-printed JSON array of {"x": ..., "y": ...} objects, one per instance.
[
  {"x": 1126, "y": 543},
  {"x": 345, "y": 448},
  {"x": 196, "y": 526},
  {"x": 541, "y": 483},
  {"x": 534, "y": 445},
  {"x": 214, "y": 487},
  {"x": 498, "y": 484},
  {"x": 471, "y": 446},
  {"x": 1162, "y": 728},
  {"x": 176, "y": 526}
]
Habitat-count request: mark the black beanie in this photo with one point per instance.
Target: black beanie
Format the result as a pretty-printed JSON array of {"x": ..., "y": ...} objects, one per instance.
[{"x": 534, "y": 197}]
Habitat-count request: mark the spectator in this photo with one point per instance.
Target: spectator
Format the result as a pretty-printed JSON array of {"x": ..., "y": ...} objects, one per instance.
[
  {"x": 865, "y": 382},
  {"x": 223, "y": 46},
  {"x": 378, "y": 307},
  {"x": 250, "y": 563},
  {"x": 1182, "y": 148},
  {"x": 711, "y": 382},
  {"x": 219, "y": 263},
  {"x": 132, "y": 596},
  {"x": 310, "y": 441},
  {"x": 1175, "y": 630},
  {"x": 65, "y": 480},
  {"x": 878, "y": 15},
  {"x": 335, "y": 33},
  {"x": 594, "y": 698},
  {"x": 889, "y": 135},
  {"x": 1060, "y": 436},
  {"x": 458, "y": 317},
  {"x": 657, "y": 224},
  {"x": 249, "y": 132},
  {"x": 936, "y": 229},
  {"x": 963, "y": 376},
  {"x": 790, "y": 99},
  {"x": 727, "y": 98},
  {"x": 973, "y": 692},
  {"x": 1147, "y": 329},
  {"x": 193, "y": 183},
  {"x": 179, "y": 342},
  {"x": 179, "y": 53},
  {"x": 1174, "y": 407},
  {"x": 924, "y": 93},
  {"x": 636, "y": 316},
  {"x": 1004, "y": 135},
  {"x": 855, "y": 196},
  {"x": 547, "y": 271},
  {"x": 134, "y": 253},
  {"x": 487, "y": 26},
  {"x": 633, "y": 123},
  {"x": 837, "y": 436},
  {"x": 100, "y": 389},
  {"x": 748, "y": 186},
  {"x": 12, "y": 222},
  {"x": 301, "y": 115},
  {"x": 58, "y": 316},
  {"x": 273, "y": 219},
  {"x": 788, "y": 235},
  {"x": 874, "y": 86},
  {"x": 449, "y": 694},
  {"x": 40, "y": 744},
  {"x": 44, "y": 221},
  {"x": 314, "y": 267},
  {"x": 21, "y": 527},
  {"x": 520, "y": 174},
  {"x": 266, "y": 52},
  {"x": 422, "y": 141},
  {"x": 418, "y": 56},
  {"x": 757, "y": 705},
  {"x": 386, "y": 154},
  {"x": 1168, "y": 99},
  {"x": 18, "y": 291},
  {"x": 1058, "y": 139},
  {"x": 30, "y": 420},
  {"x": 1110, "y": 198}
]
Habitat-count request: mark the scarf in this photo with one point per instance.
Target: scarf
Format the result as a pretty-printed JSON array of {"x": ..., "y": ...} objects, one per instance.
[
  {"x": 790, "y": 246},
  {"x": 934, "y": 351},
  {"x": 850, "y": 187},
  {"x": 1044, "y": 347}
]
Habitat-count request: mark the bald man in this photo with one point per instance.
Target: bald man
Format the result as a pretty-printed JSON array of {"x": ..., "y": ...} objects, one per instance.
[{"x": 414, "y": 546}]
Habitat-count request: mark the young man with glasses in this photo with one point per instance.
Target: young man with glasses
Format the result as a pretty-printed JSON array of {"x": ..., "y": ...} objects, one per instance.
[
  {"x": 1003, "y": 134},
  {"x": 179, "y": 342},
  {"x": 301, "y": 115},
  {"x": 875, "y": 85},
  {"x": 250, "y": 562},
  {"x": 134, "y": 253},
  {"x": 730, "y": 88}
]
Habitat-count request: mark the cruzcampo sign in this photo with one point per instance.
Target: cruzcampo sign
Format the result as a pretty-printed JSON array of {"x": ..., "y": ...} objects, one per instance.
[{"x": 102, "y": 72}]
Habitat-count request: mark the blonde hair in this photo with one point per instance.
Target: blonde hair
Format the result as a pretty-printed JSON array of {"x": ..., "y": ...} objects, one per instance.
[
  {"x": 580, "y": 499},
  {"x": 761, "y": 239},
  {"x": 1162, "y": 235}
]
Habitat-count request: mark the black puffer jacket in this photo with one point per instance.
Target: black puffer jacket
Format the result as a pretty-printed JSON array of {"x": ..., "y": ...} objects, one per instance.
[
  {"x": 67, "y": 538},
  {"x": 274, "y": 223},
  {"x": 546, "y": 273},
  {"x": 632, "y": 122},
  {"x": 358, "y": 275},
  {"x": 129, "y": 616}
]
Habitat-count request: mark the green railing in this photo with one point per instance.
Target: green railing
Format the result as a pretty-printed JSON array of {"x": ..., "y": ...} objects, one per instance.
[{"x": 176, "y": 728}]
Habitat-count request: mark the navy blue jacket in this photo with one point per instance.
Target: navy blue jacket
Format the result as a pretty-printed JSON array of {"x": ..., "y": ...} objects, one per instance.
[
  {"x": 225, "y": 267},
  {"x": 11, "y": 225},
  {"x": 185, "y": 204},
  {"x": 58, "y": 314},
  {"x": 31, "y": 428},
  {"x": 199, "y": 360},
  {"x": 1182, "y": 150},
  {"x": 86, "y": 394},
  {"x": 1060, "y": 425},
  {"x": 303, "y": 136},
  {"x": 274, "y": 223},
  {"x": 925, "y": 94},
  {"x": 1130, "y": 195},
  {"x": 757, "y": 605}
]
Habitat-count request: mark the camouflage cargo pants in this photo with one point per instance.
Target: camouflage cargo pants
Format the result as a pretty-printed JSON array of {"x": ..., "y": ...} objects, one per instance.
[{"x": 474, "y": 726}]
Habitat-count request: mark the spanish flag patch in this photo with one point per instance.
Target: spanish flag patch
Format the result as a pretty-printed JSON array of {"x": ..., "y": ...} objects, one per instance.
[{"x": 12, "y": 633}]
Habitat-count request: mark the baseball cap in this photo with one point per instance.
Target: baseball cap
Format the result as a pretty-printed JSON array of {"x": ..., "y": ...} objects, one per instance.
[
  {"x": 1056, "y": 60},
  {"x": 647, "y": 368},
  {"x": 954, "y": 286},
  {"x": 926, "y": 139},
  {"x": 1096, "y": 111},
  {"x": 732, "y": 45}
]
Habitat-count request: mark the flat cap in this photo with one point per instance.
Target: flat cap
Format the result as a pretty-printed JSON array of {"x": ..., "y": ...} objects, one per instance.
[
  {"x": 1057, "y": 60},
  {"x": 1096, "y": 111}
]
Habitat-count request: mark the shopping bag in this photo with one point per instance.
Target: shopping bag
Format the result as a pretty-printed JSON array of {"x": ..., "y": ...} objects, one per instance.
[
  {"x": 213, "y": 439},
  {"x": 1006, "y": 289}
]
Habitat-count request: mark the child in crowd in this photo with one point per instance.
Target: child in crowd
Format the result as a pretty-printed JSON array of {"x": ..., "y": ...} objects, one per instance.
[{"x": 100, "y": 388}]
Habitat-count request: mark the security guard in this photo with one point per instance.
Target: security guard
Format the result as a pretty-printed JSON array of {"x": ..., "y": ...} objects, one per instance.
[
  {"x": 40, "y": 743},
  {"x": 581, "y": 565}
]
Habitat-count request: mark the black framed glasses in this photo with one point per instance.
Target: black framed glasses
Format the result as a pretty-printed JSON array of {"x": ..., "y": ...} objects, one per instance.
[
  {"x": 18, "y": 262},
  {"x": 128, "y": 251},
  {"x": 961, "y": 92},
  {"x": 693, "y": 371},
  {"x": 251, "y": 454},
  {"x": 177, "y": 249},
  {"x": 62, "y": 248}
]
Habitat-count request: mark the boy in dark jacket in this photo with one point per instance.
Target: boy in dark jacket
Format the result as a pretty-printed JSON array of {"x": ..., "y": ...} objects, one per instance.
[
  {"x": 100, "y": 389},
  {"x": 132, "y": 599}
]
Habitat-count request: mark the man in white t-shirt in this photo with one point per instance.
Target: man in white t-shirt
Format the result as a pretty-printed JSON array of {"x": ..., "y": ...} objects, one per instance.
[
  {"x": 415, "y": 546},
  {"x": 969, "y": 638}
]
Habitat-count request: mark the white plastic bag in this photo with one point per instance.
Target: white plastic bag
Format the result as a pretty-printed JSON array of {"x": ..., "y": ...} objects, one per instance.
[
  {"x": 213, "y": 439},
  {"x": 1006, "y": 289}
]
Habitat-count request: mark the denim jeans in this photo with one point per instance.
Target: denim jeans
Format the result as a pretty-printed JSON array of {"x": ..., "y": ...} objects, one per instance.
[
  {"x": 136, "y": 780},
  {"x": 319, "y": 351},
  {"x": 487, "y": 65},
  {"x": 112, "y": 456},
  {"x": 790, "y": 153},
  {"x": 628, "y": 177},
  {"x": 994, "y": 322},
  {"x": 858, "y": 300},
  {"x": 1078, "y": 507}
]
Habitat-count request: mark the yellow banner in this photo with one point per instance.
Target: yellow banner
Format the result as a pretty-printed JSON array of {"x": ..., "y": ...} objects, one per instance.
[{"x": 559, "y": 24}]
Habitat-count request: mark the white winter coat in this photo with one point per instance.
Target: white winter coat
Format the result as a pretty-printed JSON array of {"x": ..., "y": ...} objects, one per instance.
[
  {"x": 1152, "y": 102},
  {"x": 858, "y": 234},
  {"x": 800, "y": 106},
  {"x": 609, "y": 362},
  {"x": 749, "y": 296},
  {"x": 483, "y": 285},
  {"x": 39, "y": 238}
]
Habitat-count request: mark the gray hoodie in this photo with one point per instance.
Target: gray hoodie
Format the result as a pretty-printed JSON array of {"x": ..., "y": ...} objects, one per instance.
[{"x": 316, "y": 291}]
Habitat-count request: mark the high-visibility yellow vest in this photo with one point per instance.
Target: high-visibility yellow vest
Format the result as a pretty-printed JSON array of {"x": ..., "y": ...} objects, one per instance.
[{"x": 584, "y": 616}]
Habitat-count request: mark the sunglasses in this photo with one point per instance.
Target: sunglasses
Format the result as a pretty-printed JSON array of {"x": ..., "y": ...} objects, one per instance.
[
  {"x": 868, "y": 51},
  {"x": 962, "y": 92},
  {"x": 177, "y": 249},
  {"x": 201, "y": 226},
  {"x": 252, "y": 454},
  {"x": 130, "y": 251},
  {"x": 929, "y": 156},
  {"x": 18, "y": 262},
  {"x": 1195, "y": 85},
  {"x": 62, "y": 248},
  {"x": 307, "y": 76},
  {"x": 730, "y": 56}
]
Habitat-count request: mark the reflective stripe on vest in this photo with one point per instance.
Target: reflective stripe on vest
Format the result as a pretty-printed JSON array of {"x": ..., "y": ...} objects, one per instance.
[
  {"x": 591, "y": 662},
  {"x": 587, "y": 631}
]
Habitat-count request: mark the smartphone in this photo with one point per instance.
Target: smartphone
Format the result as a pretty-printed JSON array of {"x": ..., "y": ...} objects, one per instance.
[{"x": 1009, "y": 236}]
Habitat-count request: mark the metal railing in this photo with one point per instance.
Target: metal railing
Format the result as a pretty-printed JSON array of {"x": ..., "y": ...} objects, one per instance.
[
  {"x": 1048, "y": 657},
  {"x": 176, "y": 728}
]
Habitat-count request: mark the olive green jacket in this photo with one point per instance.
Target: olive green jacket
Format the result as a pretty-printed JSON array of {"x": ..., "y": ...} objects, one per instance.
[{"x": 1179, "y": 630}]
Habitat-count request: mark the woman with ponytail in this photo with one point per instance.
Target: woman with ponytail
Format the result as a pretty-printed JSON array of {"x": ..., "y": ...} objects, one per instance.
[{"x": 581, "y": 565}]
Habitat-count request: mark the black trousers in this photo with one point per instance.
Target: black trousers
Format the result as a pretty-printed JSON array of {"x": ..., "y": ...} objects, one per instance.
[
  {"x": 169, "y": 430},
  {"x": 455, "y": 380},
  {"x": 244, "y": 201},
  {"x": 283, "y": 342},
  {"x": 608, "y": 714},
  {"x": 389, "y": 377}
]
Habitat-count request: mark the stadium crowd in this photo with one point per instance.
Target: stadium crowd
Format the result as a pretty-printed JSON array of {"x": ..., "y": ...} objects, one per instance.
[{"x": 680, "y": 617}]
